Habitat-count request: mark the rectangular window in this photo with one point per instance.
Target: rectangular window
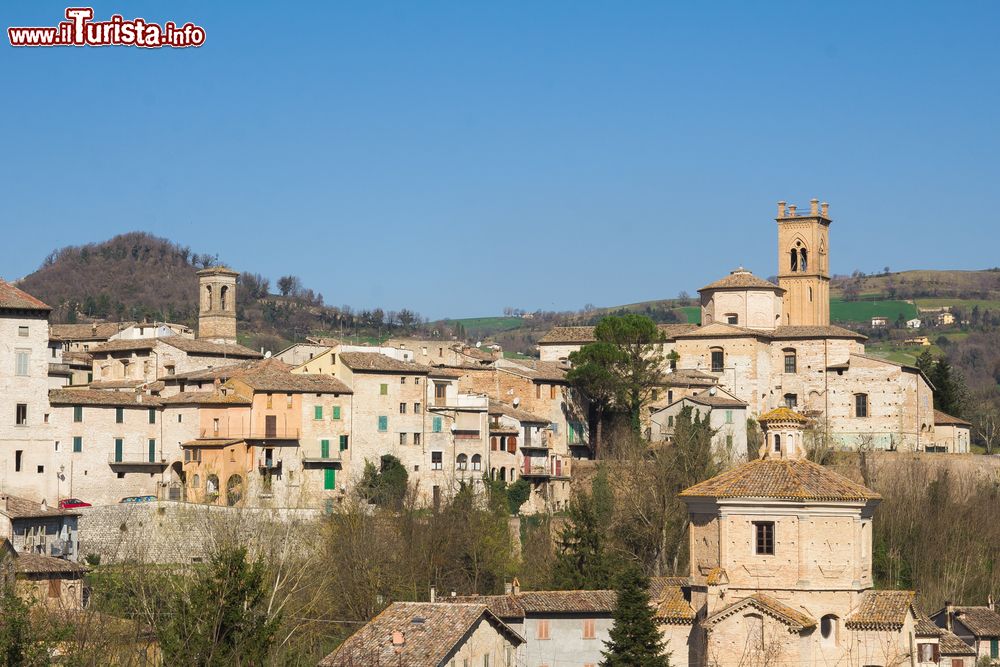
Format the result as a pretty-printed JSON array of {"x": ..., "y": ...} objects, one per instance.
[
  {"x": 383, "y": 424},
  {"x": 402, "y": 408},
  {"x": 995, "y": 648},
  {"x": 791, "y": 400},
  {"x": 119, "y": 446},
  {"x": 729, "y": 416},
  {"x": 343, "y": 443},
  {"x": 764, "y": 538},
  {"x": 402, "y": 380},
  {"x": 436, "y": 424},
  {"x": 383, "y": 389},
  {"x": 119, "y": 415},
  {"x": 416, "y": 439},
  {"x": 718, "y": 361},
  {"x": 288, "y": 401},
  {"x": 732, "y": 319},
  {"x": 729, "y": 442},
  {"x": 270, "y": 401},
  {"x": 542, "y": 629},
  {"x": 18, "y": 456},
  {"x": 317, "y": 412},
  {"x": 552, "y": 391},
  {"x": 22, "y": 332},
  {"x": 77, "y": 443},
  {"x": 55, "y": 588},
  {"x": 151, "y": 445},
  {"x": 440, "y": 390},
  {"x": 324, "y": 449},
  {"x": 152, "y": 415},
  {"x": 21, "y": 362},
  {"x": 330, "y": 479},
  {"x": 336, "y": 412},
  {"x": 416, "y": 408},
  {"x": 78, "y": 413},
  {"x": 588, "y": 629},
  {"x": 436, "y": 461},
  {"x": 21, "y": 414},
  {"x": 790, "y": 362},
  {"x": 402, "y": 438},
  {"x": 538, "y": 391},
  {"x": 861, "y": 405}
]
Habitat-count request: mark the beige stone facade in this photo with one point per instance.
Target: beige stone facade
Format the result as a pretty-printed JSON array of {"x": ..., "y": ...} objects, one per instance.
[{"x": 217, "y": 304}]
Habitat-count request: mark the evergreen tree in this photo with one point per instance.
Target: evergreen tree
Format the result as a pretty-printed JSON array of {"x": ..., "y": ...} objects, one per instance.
[
  {"x": 634, "y": 640},
  {"x": 583, "y": 560}
]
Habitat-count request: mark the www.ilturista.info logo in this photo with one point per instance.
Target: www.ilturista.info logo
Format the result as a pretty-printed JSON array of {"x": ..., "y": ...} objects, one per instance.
[{"x": 81, "y": 30}]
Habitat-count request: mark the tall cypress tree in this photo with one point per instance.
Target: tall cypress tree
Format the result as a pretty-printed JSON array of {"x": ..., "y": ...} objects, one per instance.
[{"x": 634, "y": 640}]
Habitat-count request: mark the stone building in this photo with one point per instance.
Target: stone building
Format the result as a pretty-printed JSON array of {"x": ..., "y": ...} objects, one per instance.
[
  {"x": 772, "y": 345},
  {"x": 725, "y": 413},
  {"x": 977, "y": 626},
  {"x": 217, "y": 305},
  {"x": 34, "y": 527}
]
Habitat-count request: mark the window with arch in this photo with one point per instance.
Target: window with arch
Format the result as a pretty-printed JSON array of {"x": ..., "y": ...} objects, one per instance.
[
  {"x": 791, "y": 359},
  {"x": 223, "y": 297},
  {"x": 861, "y": 405},
  {"x": 777, "y": 442},
  {"x": 810, "y": 294},
  {"x": 718, "y": 360},
  {"x": 793, "y": 264},
  {"x": 477, "y": 462},
  {"x": 803, "y": 259},
  {"x": 828, "y": 629},
  {"x": 493, "y": 443},
  {"x": 462, "y": 462},
  {"x": 196, "y": 481},
  {"x": 208, "y": 296},
  {"x": 503, "y": 474}
]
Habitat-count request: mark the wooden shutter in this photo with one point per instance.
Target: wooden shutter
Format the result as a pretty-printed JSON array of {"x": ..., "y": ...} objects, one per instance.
[
  {"x": 336, "y": 412},
  {"x": 343, "y": 443},
  {"x": 55, "y": 588},
  {"x": 330, "y": 479},
  {"x": 317, "y": 412},
  {"x": 118, "y": 449},
  {"x": 152, "y": 450},
  {"x": 324, "y": 448}
]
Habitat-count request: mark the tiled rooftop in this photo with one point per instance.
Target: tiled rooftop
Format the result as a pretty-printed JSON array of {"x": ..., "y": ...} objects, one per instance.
[{"x": 783, "y": 479}]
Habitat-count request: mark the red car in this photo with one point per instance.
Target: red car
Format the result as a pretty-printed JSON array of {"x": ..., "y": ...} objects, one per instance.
[{"x": 70, "y": 503}]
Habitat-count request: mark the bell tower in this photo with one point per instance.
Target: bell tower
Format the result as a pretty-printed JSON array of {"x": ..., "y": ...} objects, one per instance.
[
  {"x": 217, "y": 305},
  {"x": 804, "y": 264}
]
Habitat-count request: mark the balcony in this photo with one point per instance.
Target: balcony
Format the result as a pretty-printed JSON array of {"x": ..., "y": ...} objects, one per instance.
[
  {"x": 317, "y": 459},
  {"x": 538, "y": 471},
  {"x": 269, "y": 465},
  {"x": 239, "y": 433},
  {"x": 142, "y": 461}
]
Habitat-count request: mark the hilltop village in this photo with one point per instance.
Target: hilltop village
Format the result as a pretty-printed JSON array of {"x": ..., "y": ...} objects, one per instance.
[{"x": 106, "y": 414}]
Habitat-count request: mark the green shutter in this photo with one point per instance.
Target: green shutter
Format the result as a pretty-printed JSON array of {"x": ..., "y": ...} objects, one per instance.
[
  {"x": 330, "y": 479},
  {"x": 77, "y": 443},
  {"x": 118, "y": 449},
  {"x": 383, "y": 389},
  {"x": 343, "y": 443},
  {"x": 78, "y": 413},
  {"x": 324, "y": 449},
  {"x": 995, "y": 648},
  {"x": 318, "y": 412},
  {"x": 152, "y": 450},
  {"x": 571, "y": 436},
  {"x": 152, "y": 415},
  {"x": 336, "y": 412},
  {"x": 437, "y": 424},
  {"x": 383, "y": 423},
  {"x": 119, "y": 415}
]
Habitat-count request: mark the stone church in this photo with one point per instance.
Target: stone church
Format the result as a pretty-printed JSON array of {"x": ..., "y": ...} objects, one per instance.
[{"x": 771, "y": 345}]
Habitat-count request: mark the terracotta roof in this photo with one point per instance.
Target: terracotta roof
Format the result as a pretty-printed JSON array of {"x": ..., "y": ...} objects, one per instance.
[
  {"x": 430, "y": 632},
  {"x": 820, "y": 331},
  {"x": 125, "y": 399},
  {"x": 444, "y": 372},
  {"x": 270, "y": 378},
  {"x": 981, "y": 621},
  {"x": 581, "y": 335},
  {"x": 12, "y": 298},
  {"x": 534, "y": 369},
  {"x": 518, "y": 605},
  {"x": 782, "y": 479},
  {"x": 218, "y": 271},
  {"x": 126, "y": 345},
  {"x": 77, "y": 357},
  {"x": 719, "y": 400},
  {"x": 943, "y": 419},
  {"x": 375, "y": 362},
  {"x": 222, "y": 372},
  {"x": 16, "y": 507},
  {"x": 741, "y": 279},
  {"x": 671, "y": 596},
  {"x": 116, "y": 384},
  {"x": 29, "y": 563},
  {"x": 950, "y": 644},
  {"x": 925, "y": 627},
  {"x": 782, "y": 414},
  {"x": 687, "y": 376},
  {"x": 523, "y": 416},
  {"x": 86, "y": 331},
  {"x": 795, "y": 619},
  {"x": 211, "y": 442},
  {"x": 500, "y": 429},
  {"x": 882, "y": 610},
  {"x": 196, "y": 346},
  {"x": 207, "y": 398},
  {"x": 723, "y": 330}
]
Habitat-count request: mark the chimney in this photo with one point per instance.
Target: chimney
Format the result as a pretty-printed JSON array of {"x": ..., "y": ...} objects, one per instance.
[
  {"x": 45, "y": 505},
  {"x": 949, "y": 610},
  {"x": 781, "y": 209},
  {"x": 398, "y": 638},
  {"x": 813, "y": 206},
  {"x": 433, "y": 595},
  {"x": 823, "y": 209},
  {"x": 991, "y": 603},
  {"x": 508, "y": 588},
  {"x": 791, "y": 210},
  {"x": 93, "y": 329},
  {"x": 515, "y": 586}
]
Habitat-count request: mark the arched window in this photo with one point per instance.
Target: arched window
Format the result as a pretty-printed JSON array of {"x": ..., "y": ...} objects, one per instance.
[
  {"x": 461, "y": 461},
  {"x": 790, "y": 360},
  {"x": 803, "y": 262},
  {"x": 493, "y": 443},
  {"x": 196, "y": 482},
  {"x": 794, "y": 264},
  {"x": 208, "y": 297},
  {"x": 223, "y": 297},
  {"x": 493, "y": 473},
  {"x": 212, "y": 485},
  {"x": 477, "y": 462},
  {"x": 512, "y": 444},
  {"x": 810, "y": 294},
  {"x": 861, "y": 405},
  {"x": 503, "y": 474},
  {"x": 777, "y": 442},
  {"x": 828, "y": 629},
  {"x": 234, "y": 490}
]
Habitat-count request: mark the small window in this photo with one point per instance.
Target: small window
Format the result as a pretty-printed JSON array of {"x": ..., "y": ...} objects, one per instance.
[
  {"x": 436, "y": 425},
  {"x": 588, "y": 629},
  {"x": 436, "y": 460},
  {"x": 119, "y": 415},
  {"x": 861, "y": 405},
  {"x": 402, "y": 408},
  {"x": 152, "y": 415},
  {"x": 477, "y": 462},
  {"x": 828, "y": 630},
  {"x": 383, "y": 423},
  {"x": 22, "y": 331},
  {"x": 21, "y": 362},
  {"x": 729, "y": 416},
  {"x": 732, "y": 319},
  {"x": 656, "y": 395},
  {"x": 777, "y": 443},
  {"x": 718, "y": 360},
  {"x": 416, "y": 408},
  {"x": 21, "y": 414},
  {"x": 383, "y": 390},
  {"x": 462, "y": 462},
  {"x": 538, "y": 391},
  {"x": 402, "y": 380},
  {"x": 416, "y": 439},
  {"x": 729, "y": 442},
  {"x": 552, "y": 391},
  {"x": 670, "y": 420},
  {"x": 791, "y": 400},
  {"x": 790, "y": 361},
  {"x": 336, "y": 413},
  {"x": 317, "y": 412},
  {"x": 542, "y": 629},
  {"x": 270, "y": 401},
  {"x": 402, "y": 438},
  {"x": 343, "y": 443},
  {"x": 764, "y": 538},
  {"x": 18, "y": 458},
  {"x": 77, "y": 443},
  {"x": 288, "y": 401}
]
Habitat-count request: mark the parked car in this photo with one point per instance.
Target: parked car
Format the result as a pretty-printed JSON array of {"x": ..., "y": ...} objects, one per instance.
[
  {"x": 138, "y": 499},
  {"x": 70, "y": 503}
]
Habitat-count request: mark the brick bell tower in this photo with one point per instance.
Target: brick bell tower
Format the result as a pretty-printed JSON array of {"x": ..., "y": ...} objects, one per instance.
[
  {"x": 217, "y": 305},
  {"x": 804, "y": 264}
]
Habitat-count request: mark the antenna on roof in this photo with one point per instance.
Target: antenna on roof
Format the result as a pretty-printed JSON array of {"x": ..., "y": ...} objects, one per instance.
[
  {"x": 479, "y": 343},
  {"x": 267, "y": 355},
  {"x": 517, "y": 402}
]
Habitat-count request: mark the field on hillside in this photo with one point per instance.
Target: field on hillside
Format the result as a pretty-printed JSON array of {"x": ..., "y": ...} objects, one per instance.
[
  {"x": 967, "y": 304},
  {"x": 864, "y": 311},
  {"x": 473, "y": 325}
]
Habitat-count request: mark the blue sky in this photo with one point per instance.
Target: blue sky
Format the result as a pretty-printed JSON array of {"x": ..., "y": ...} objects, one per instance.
[{"x": 459, "y": 157}]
